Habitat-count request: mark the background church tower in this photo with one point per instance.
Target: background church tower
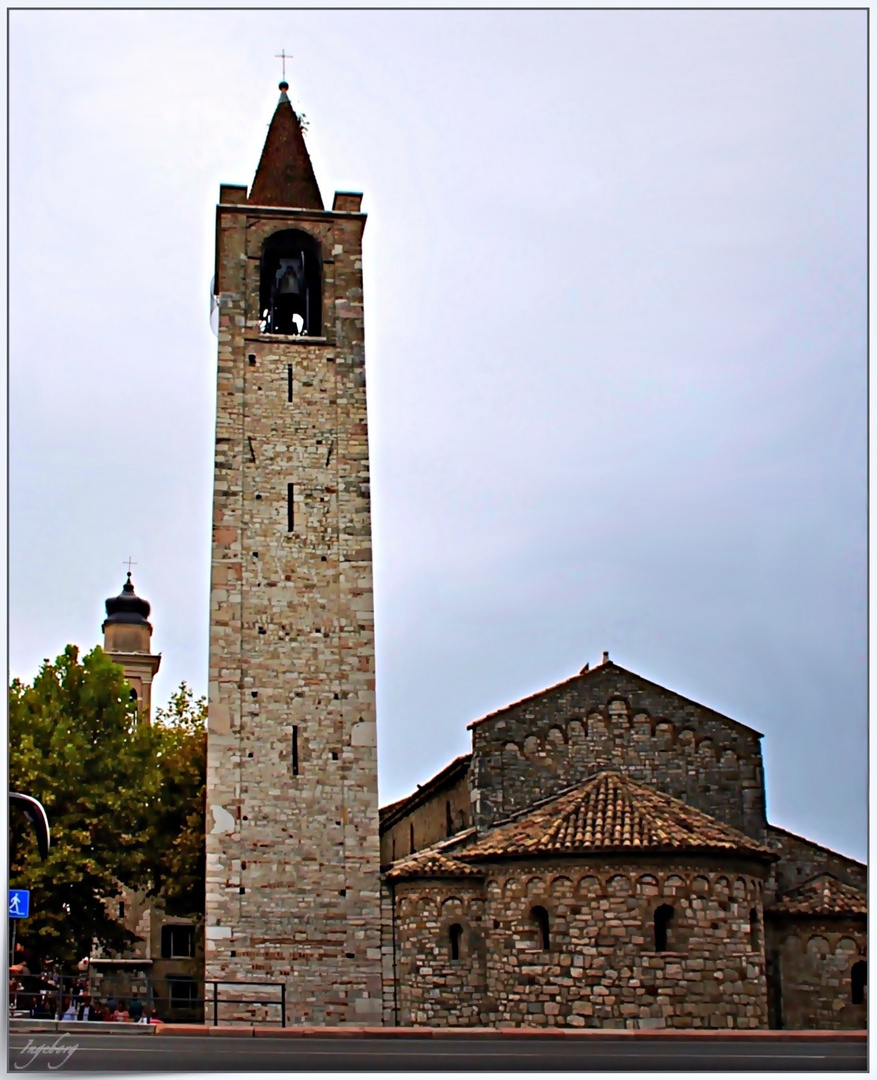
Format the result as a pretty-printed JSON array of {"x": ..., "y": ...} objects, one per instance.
[
  {"x": 128, "y": 641},
  {"x": 292, "y": 819}
]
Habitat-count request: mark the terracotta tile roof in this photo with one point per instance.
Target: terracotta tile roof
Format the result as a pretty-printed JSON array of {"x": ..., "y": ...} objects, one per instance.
[
  {"x": 610, "y": 812},
  {"x": 285, "y": 176},
  {"x": 823, "y": 895},
  {"x": 431, "y": 864}
]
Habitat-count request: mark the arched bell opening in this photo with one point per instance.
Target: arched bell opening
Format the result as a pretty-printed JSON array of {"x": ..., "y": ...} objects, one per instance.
[{"x": 290, "y": 284}]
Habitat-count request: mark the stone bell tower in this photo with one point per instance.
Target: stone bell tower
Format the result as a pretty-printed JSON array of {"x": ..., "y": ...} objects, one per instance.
[
  {"x": 292, "y": 802},
  {"x": 128, "y": 641}
]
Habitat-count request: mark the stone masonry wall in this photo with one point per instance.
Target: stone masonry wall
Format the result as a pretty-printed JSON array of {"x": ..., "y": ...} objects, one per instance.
[
  {"x": 434, "y": 989},
  {"x": 611, "y": 718},
  {"x": 601, "y": 968},
  {"x": 815, "y": 958},
  {"x": 802, "y": 859},
  {"x": 388, "y": 956},
  {"x": 429, "y": 822},
  {"x": 292, "y": 854}
]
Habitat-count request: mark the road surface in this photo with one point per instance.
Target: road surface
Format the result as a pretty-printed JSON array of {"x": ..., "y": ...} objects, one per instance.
[{"x": 75, "y": 1052}]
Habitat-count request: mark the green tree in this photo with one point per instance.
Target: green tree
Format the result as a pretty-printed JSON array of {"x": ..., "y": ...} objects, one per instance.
[
  {"x": 178, "y": 857},
  {"x": 125, "y": 802},
  {"x": 76, "y": 745}
]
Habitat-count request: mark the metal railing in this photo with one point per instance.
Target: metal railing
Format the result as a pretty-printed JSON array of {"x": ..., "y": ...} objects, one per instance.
[
  {"x": 48, "y": 997},
  {"x": 216, "y": 983}
]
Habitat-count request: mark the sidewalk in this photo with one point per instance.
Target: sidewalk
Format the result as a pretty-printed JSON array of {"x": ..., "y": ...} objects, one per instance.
[{"x": 300, "y": 1031}]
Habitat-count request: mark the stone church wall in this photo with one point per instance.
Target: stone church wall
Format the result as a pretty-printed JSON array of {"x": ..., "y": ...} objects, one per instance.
[
  {"x": 444, "y": 813},
  {"x": 601, "y": 968},
  {"x": 435, "y": 990},
  {"x": 815, "y": 959},
  {"x": 613, "y": 719},
  {"x": 801, "y": 859}
]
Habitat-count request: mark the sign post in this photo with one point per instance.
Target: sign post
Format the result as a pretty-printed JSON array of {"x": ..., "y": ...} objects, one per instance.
[
  {"x": 19, "y": 908},
  {"x": 19, "y": 903}
]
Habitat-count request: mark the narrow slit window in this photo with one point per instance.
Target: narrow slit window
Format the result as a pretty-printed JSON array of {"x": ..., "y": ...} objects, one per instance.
[
  {"x": 449, "y": 822},
  {"x": 455, "y": 933},
  {"x": 663, "y": 918},
  {"x": 290, "y": 507},
  {"x": 754, "y": 931},
  {"x": 411, "y": 834},
  {"x": 295, "y": 750},
  {"x": 539, "y": 918},
  {"x": 289, "y": 382},
  {"x": 858, "y": 982}
]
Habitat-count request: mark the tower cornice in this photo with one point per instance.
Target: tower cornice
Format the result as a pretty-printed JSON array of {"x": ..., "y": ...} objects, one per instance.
[{"x": 287, "y": 211}]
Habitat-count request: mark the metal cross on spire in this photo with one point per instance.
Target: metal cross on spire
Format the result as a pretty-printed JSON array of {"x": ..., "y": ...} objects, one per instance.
[
  {"x": 283, "y": 58},
  {"x": 129, "y": 562}
]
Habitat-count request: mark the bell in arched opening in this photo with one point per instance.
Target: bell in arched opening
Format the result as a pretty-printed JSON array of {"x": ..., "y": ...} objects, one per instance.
[{"x": 290, "y": 284}]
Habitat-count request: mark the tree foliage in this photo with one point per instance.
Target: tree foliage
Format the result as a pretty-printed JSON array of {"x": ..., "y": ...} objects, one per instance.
[
  {"x": 177, "y": 863},
  {"x": 124, "y": 801}
]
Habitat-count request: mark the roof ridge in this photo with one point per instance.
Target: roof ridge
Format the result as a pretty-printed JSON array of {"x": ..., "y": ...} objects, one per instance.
[
  {"x": 545, "y": 800},
  {"x": 823, "y": 893},
  {"x": 430, "y": 862},
  {"x": 814, "y": 878},
  {"x": 627, "y": 671},
  {"x": 539, "y": 693},
  {"x": 816, "y": 844},
  {"x": 386, "y": 813}
]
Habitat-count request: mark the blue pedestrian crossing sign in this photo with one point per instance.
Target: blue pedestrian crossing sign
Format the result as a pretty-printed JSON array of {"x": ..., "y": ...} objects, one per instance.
[{"x": 19, "y": 903}]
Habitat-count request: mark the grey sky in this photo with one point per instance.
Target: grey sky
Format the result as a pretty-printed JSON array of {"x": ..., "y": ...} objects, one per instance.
[{"x": 615, "y": 309}]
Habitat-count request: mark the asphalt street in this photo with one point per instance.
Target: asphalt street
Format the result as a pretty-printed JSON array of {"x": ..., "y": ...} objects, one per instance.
[{"x": 124, "y": 1053}]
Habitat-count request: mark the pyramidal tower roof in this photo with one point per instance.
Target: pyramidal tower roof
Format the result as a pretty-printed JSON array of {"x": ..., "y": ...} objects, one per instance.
[{"x": 285, "y": 176}]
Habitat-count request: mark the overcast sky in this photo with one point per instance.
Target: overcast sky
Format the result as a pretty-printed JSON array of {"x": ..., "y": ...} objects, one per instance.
[{"x": 615, "y": 272}]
